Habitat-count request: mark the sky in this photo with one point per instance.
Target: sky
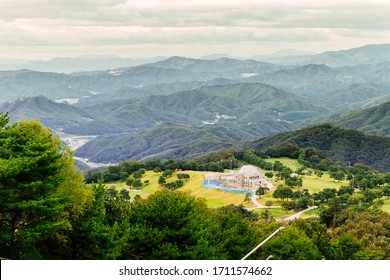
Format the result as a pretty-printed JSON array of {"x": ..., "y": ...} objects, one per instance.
[{"x": 44, "y": 29}]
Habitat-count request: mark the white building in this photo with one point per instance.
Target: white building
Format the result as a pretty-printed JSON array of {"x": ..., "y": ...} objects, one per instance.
[{"x": 248, "y": 177}]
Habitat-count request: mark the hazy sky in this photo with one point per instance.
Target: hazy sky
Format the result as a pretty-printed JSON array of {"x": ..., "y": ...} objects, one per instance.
[{"x": 42, "y": 29}]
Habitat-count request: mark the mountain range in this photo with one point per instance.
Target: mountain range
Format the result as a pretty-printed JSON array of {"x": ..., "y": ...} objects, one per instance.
[
  {"x": 229, "y": 100},
  {"x": 369, "y": 54},
  {"x": 75, "y": 64}
]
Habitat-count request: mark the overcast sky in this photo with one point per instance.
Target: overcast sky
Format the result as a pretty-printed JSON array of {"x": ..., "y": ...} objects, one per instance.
[{"x": 43, "y": 29}]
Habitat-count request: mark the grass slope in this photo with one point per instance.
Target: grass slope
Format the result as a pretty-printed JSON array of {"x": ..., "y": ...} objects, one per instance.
[{"x": 214, "y": 198}]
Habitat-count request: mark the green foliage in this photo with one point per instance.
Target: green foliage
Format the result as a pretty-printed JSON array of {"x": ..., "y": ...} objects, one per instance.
[
  {"x": 124, "y": 194},
  {"x": 330, "y": 211},
  {"x": 4, "y": 119},
  {"x": 291, "y": 244},
  {"x": 167, "y": 226},
  {"x": 337, "y": 175},
  {"x": 101, "y": 231},
  {"x": 167, "y": 173},
  {"x": 345, "y": 145},
  {"x": 137, "y": 184},
  {"x": 129, "y": 182},
  {"x": 386, "y": 192},
  {"x": 41, "y": 193},
  {"x": 374, "y": 120},
  {"x": 261, "y": 191},
  {"x": 268, "y": 203},
  {"x": 184, "y": 176},
  {"x": 174, "y": 185},
  {"x": 362, "y": 235},
  {"x": 283, "y": 193},
  {"x": 161, "y": 180},
  {"x": 73, "y": 187},
  {"x": 294, "y": 181}
]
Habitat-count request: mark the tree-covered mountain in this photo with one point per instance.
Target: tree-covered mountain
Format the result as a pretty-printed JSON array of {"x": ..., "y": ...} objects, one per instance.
[
  {"x": 58, "y": 116},
  {"x": 27, "y": 83},
  {"x": 373, "y": 120},
  {"x": 336, "y": 88},
  {"x": 224, "y": 66},
  {"x": 257, "y": 105},
  {"x": 165, "y": 141},
  {"x": 134, "y": 80},
  {"x": 345, "y": 145},
  {"x": 263, "y": 109},
  {"x": 254, "y": 99}
]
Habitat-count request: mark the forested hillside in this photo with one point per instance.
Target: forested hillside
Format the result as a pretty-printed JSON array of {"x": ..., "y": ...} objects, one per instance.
[
  {"x": 345, "y": 145},
  {"x": 374, "y": 120},
  {"x": 165, "y": 141}
]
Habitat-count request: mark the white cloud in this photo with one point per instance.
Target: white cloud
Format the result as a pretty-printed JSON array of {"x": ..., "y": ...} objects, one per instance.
[{"x": 90, "y": 24}]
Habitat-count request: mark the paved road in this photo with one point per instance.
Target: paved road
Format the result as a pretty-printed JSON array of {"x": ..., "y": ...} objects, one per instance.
[
  {"x": 297, "y": 215},
  {"x": 292, "y": 217},
  {"x": 259, "y": 205}
]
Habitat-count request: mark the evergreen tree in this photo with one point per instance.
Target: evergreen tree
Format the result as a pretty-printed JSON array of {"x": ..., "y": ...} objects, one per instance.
[{"x": 31, "y": 165}]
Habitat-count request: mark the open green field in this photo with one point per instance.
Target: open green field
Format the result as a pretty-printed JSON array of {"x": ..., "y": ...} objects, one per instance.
[
  {"x": 214, "y": 198},
  {"x": 310, "y": 182},
  {"x": 276, "y": 213},
  {"x": 386, "y": 206},
  {"x": 314, "y": 184},
  {"x": 309, "y": 214},
  {"x": 291, "y": 163}
]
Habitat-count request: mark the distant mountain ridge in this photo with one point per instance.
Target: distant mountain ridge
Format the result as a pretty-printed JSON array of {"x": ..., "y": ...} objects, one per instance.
[
  {"x": 368, "y": 54},
  {"x": 251, "y": 98},
  {"x": 76, "y": 64},
  {"x": 254, "y": 105}
]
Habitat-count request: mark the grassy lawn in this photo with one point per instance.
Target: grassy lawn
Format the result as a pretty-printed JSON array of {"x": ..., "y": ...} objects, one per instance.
[
  {"x": 315, "y": 185},
  {"x": 312, "y": 183},
  {"x": 292, "y": 163},
  {"x": 268, "y": 196},
  {"x": 386, "y": 206},
  {"x": 309, "y": 182},
  {"x": 214, "y": 198},
  {"x": 147, "y": 190},
  {"x": 276, "y": 213},
  {"x": 309, "y": 214},
  {"x": 217, "y": 198}
]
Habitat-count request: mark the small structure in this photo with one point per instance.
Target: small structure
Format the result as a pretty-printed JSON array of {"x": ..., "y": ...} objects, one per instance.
[{"x": 246, "y": 178}]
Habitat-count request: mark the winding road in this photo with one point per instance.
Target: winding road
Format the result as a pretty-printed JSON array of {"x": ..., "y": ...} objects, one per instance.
[{"x": 297, "y": 215}]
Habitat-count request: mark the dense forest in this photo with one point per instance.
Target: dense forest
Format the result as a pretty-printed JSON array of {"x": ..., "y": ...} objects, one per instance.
[{"x": 48, "y": 211}]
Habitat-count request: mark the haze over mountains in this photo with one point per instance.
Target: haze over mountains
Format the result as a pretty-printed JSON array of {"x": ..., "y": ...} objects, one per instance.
[{"x": 182, "y": 107}]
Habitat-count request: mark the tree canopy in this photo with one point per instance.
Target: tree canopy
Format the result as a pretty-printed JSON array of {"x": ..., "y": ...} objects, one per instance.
[{"x": 40, "y": 190}]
